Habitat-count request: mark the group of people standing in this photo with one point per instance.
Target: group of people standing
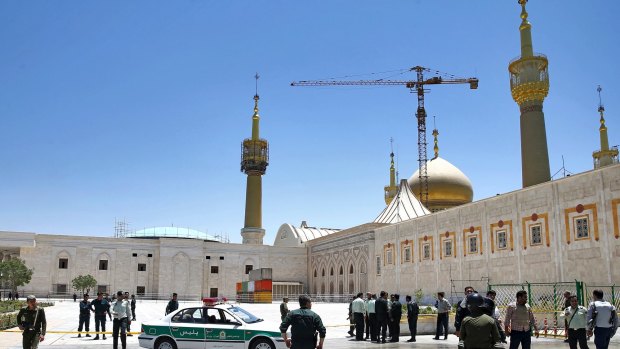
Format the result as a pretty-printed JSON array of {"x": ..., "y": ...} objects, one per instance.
[
  {"x": 599, "y": 319},
  {"x": 378, "y": 319},
  {"x": 121, "y": 311},
  {"x": 12, "y": 296}
]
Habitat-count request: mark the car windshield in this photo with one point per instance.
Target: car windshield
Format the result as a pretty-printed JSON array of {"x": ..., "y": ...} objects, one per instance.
[{"x": 244, "y": 315}]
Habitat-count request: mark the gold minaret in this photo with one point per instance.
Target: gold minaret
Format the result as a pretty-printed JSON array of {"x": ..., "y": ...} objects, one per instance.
[
  {"x": 604, "y": 156},
  {"x": 390, "y": 190},
  {"x": 529, "y": 84},
  {"x": 254, "y": 161}
]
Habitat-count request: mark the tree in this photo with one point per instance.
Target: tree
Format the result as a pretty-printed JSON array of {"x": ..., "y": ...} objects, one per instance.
[
  {"x": 84, "y": 283},
  {"x": 418, "y": 295},
  {"x": 15, "y": 273}
]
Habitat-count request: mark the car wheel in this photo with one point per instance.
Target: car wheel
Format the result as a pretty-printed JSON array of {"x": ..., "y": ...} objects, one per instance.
[
  {"x": 262, "y": 343},
  {"x": 165, "y": 343}
]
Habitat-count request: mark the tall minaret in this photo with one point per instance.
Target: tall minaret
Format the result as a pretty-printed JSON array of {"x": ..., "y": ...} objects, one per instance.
[
  {"x": 254, "y": 161},
  {"x": 392, "y": 189},
  {"x": 529, "y": 84},
  {"x": 604, "y": 156}
]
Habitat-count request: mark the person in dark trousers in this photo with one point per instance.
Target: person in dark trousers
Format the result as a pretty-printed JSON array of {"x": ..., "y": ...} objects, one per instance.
[
  {"x": 31, "y": 320},
  {"x": 284, "y": 308},
  {"x": 396, "y": 312},
  {"x": 443, "y": 311},
  {"x": 519, "y": 322},
  {"x": 461, "y": 310},
  {"x": 74, "y": 297},
  {"x": 366, "y": 320},
  {"x": 351, "y": 319},
  {"x": 121, "y": 311},
  {"x": 575, "y": 323},
  {"x": 100, "y": 307},
  {"x": 413, "y": 310},
  {"x": 133, "y": 307},
  {"x": 84, "y": 316},
  {"x": 491, "y": 294},
  {"x": 372, "y": 317},
  {"x": 173, "y": 304},
  {"x": 602, "y": 320},
  {"x": 358, "y": 309},
  {"x": 305, "y": 324},
  {"x": 479, "y": 330},
  {"x": 381, "y": 309},
  {"x": 126, "y": 295},
  {"x": 10, "y": 296}
]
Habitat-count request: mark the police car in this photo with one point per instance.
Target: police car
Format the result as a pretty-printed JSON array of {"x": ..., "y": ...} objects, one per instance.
[{"x": 224, "y": 326}]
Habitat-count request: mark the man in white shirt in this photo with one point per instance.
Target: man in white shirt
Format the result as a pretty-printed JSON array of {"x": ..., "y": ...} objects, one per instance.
[
  {"x": 121, "y": 313},
  {"x": 602, "y": 320},
  {"x": 358, "y": 309}
]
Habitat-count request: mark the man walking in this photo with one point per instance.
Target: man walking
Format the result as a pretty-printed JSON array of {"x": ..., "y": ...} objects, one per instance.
[
  {"x": 100, "y": 307},
  {"x": 357, "y": 307},
  {"x": 284, "y": 308},
  {"x": 304, "y": 325},
  {"x": 396, "y": 312},
  {"x": 575, "y": 321},
  {"x": 381, "y": 309},
  {"x": 84, "y": 316},
  {"x": 173, "y": 304},
  {"x": 121, "y": 311},
  {"x": 602, "y": 320},
  {"x": 491, "y": 294},
  {"x": 519, "y": 321},
  {"x": 133, "y": 307},
  {"x": 31, "y": 320},
  {"x": 413, "y": 310}
]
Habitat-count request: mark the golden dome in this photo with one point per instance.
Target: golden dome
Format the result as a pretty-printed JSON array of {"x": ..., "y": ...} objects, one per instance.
[{"x": 447, "y": 185}]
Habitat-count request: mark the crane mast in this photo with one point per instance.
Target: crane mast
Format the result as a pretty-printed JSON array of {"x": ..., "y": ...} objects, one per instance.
[{"x": 415, "y": 86}]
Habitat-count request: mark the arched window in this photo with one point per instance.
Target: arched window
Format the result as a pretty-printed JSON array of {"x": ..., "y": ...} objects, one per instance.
[
  {"x": 341, "y": 271},
  {"x": 351, "y": 269},
  {"x": 323, "y": 272},
  {"x": 314, "y": 272},
  {"x": 331, "y": 271}
]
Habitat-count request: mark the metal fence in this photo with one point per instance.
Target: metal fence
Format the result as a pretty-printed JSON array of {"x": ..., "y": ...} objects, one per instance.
[{"x": 548, "y": 303}]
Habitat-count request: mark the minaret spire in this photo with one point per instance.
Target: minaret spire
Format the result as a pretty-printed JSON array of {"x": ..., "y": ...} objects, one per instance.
[
  {"x": 435, "y": 134},
  {"x": 529, "y": 84},
  {"x": 254, "y": 162},
  {"x": 390, "y": 190},
  {"x": 604, "y": 156}
]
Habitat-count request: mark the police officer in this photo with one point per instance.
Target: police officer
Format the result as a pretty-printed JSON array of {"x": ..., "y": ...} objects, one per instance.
[
  {"x": 121, "y": 311},
  {"x": 100, "y": 307},
  {"x": 31, "y": 320},
  {"x": 284, "y": 308},
  {"x": 304, "y": 325},
  {"x": 381, "y": 309},
  {"x": 396, "y": 312},
  {"x": 478, "y": 330},
  {"x": 173, "y": 304},
  {"x": 84, "y": 316},
  {"x": 602, "y": 320}
]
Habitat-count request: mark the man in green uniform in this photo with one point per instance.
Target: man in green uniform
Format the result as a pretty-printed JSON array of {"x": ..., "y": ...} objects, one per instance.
[
  {"x": 284, "y": 308},
  {"x": 304, "y": 325},
  {"x": 478, "y": 330},
  {"x": 31, "y": 320}
]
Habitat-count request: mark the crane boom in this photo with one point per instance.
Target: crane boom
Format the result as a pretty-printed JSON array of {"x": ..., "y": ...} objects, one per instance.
[{"x": 416, "y": 86}]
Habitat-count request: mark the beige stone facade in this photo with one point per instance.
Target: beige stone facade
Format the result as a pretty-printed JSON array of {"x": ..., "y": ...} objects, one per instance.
[{"x": 557, "y": 231}]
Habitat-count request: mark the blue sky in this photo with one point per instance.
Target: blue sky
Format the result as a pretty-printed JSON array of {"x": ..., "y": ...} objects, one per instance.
[{"x": 137, "y": 109}]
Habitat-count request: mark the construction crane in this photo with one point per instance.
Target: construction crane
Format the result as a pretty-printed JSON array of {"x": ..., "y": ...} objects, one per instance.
[{"x": 415, "y": 86}]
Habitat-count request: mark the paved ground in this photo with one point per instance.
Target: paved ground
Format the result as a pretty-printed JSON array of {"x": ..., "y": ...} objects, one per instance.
[{"x": 64, "y": 317}]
